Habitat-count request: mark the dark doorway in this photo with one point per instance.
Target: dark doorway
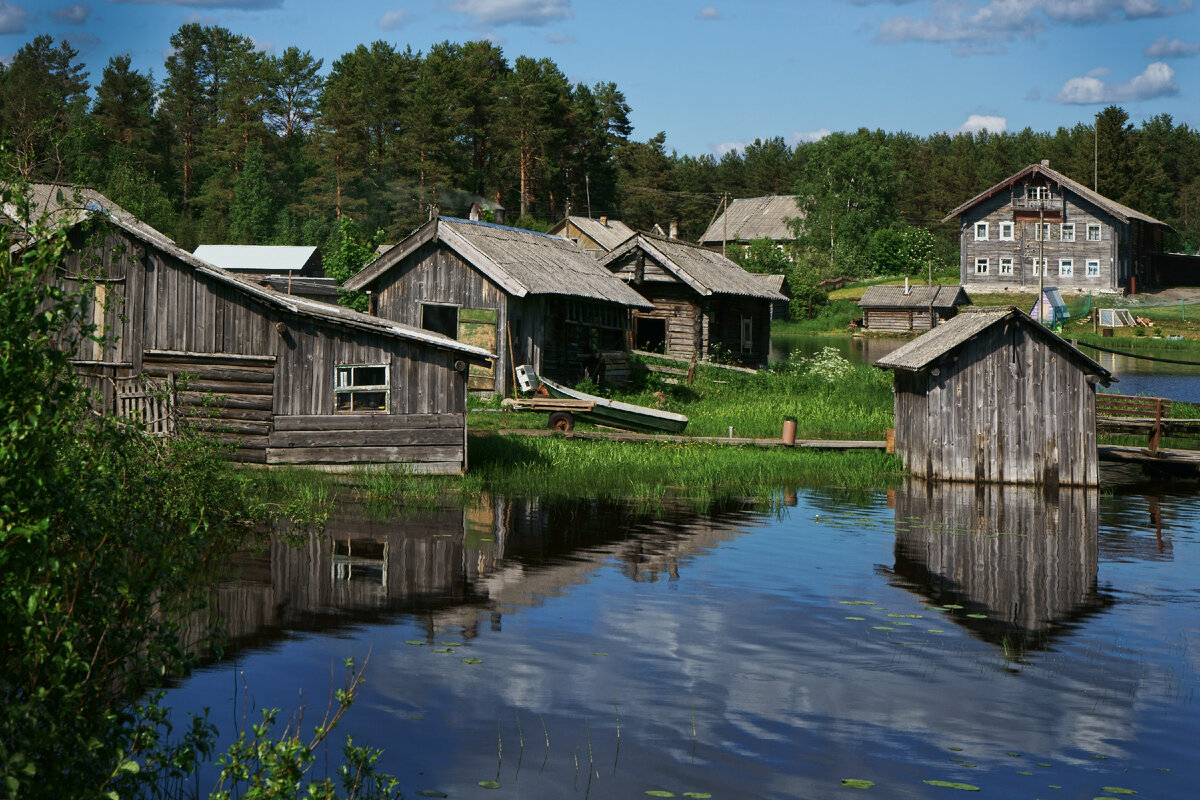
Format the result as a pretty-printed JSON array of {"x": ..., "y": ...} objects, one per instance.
[
  {"x": 650, "y": 334},
  {"x": 440, "y": 319}
]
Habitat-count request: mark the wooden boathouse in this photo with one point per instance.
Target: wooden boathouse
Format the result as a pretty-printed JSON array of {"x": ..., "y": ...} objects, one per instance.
[
  {"x": 530, "y": 297},
  {"x": 282, "y": 379},
  {"x": 909, "y": 308},
  {"x": 994, "y": 397},
  {"x": 704, "y": 304}
]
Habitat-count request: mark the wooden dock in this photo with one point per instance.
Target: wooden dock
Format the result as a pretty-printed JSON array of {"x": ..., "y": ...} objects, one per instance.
[{"x": 1164, "y": 460}]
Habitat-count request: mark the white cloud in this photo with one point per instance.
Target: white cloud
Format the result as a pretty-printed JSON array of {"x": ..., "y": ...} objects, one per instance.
[
  {"x": 12, "y": 18},
  {"x": 1166, "y": 47},
  {"x": 242, "y": 4},
  {"x": 516, "y": 12},
  {"x": 1158, "y": 80},
  {"x": 395, "y": 20},
  {"x": 708, "y": 12},
  {"x": 560, "y": 38},
  {"x": 264, "y": 46},
  {"x": 74, "y": 14},
  {"x": 982, "y": 122},
  {"x": 972, "y": 22},
  {"x": 808, "y": 136}
]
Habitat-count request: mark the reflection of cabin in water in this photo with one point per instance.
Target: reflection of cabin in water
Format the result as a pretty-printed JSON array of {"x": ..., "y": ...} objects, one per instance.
[
  {"x": 994, "y": 396},
  {"x": 530, "y": 297},
  {"x": 1022, "y": 560},
  {"x": 281, "y": 378},
  {"x": 704, "y": 304}
]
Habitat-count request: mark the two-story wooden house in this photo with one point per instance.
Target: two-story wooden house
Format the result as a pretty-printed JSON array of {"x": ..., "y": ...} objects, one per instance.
[{"x": 1039, "y": 226}]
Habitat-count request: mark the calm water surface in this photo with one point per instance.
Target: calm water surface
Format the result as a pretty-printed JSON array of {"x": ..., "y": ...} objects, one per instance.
[{"x": 1031, "y": 645}]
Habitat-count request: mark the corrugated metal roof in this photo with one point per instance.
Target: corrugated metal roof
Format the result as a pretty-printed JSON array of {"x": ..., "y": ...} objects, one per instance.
[
  {"x": 607, "y": 234},
  {"x": 754, "y": 218},
  {"x": 1118, "y": 210},
  {"x": 519, "y": 261},
  {"x": 256, "y": 258},
  {"x": 917, "y": 297},
  {"x": 773, "y": 282},
  {"x": 58, "y": 202},
  {"x": 703, "y": 270},
  {"x": 928, "y": 347}
]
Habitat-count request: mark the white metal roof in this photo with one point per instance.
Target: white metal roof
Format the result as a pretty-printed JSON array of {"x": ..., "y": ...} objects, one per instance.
[{"x": 256, "y": 258}]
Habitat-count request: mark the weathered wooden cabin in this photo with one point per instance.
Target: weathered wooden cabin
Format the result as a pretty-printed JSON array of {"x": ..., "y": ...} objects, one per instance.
[
  {"x": 994, "y": 397},
  {"x": 1039, "y": 225},
  {"x": 909, "y": 308},
  {"x": 750, "y": 218},
  {"x": 596, "y": 236},
  {"x": 530, "y": 297},
  {"x": 704, "y": 304},
  {"x": 284, "y": 379}
]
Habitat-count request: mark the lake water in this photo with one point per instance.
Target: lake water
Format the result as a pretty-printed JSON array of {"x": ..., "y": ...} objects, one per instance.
[
  {"x": 1031, "y": 645},
  {"x": 1134, "y": 376}
]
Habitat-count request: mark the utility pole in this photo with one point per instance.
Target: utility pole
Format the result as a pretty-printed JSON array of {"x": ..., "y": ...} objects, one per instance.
[
  {"x": 1096, "y": 153},
  {"x": 1041, "y": 255},
  {"x": 725, "y": 225}
]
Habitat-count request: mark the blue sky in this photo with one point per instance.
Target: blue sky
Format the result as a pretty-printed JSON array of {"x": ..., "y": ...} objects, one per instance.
[{"x": 715, "y": 73}]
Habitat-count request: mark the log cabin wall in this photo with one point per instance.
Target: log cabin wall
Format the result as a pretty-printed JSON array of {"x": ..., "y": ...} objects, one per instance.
[
  {"x": 1005, "y": 407},
  {"x": 898, "y": 319},
  {"x": 739, "y": 327}
]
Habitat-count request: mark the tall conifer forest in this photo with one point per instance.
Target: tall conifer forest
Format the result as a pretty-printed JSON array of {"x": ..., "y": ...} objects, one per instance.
[{"x": 227, "y": 144}]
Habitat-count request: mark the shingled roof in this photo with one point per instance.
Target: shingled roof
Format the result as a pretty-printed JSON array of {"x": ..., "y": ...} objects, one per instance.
[
  {"x": 703, "y": 270},
  {"x": 915, "y": 297},
  {"x": 1121, "y": 212},
  {"x": 928, "y": 347},
  {"x": 57, "y": 203},
  {"x": 520, "y": 262},
  {"x": 754, "y": 218}
]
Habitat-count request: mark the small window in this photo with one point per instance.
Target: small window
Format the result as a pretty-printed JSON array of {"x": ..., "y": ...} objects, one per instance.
[
  {"x": 1006, "y": 231},
  {"x": 1093, "y": 268},
  {"x": 1066, "y": 267},
  {"x": 361, "y": 388},
  {"x": 981, "y": 231},
  {"x": 1067, "y": 232},
  {"x": 1006, "y": 266},
  {"x": 747, "y": 334},
  {"x": 981, "y": 266},
  {"x": 1093, "y": 233},
  {"x": 440, "y": 319},
  {"x": 1041, "y": 232},
  {"x": 1036, "y": 268},
  {"x": 1039, "y": 192}
]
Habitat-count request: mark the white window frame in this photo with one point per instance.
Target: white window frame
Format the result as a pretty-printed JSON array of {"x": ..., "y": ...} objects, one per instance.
[
  {"x": 1066, "y": 232},
  {"x": 1038, "y": 192},
  {"x": 1066, "y": 267},
  {"x": 1093, "y": 268},
  {"x": 1040, "y": 230},
  {"x": 1006, "y": 231},
  {"x": 349, "y": 391},
  {"x": 982, "y": 265},
  {"x": 1006, "y": 266},
  {"x": 981, "y": 227},
  {"x": 1036, "y": 266},
  {"x": 1096, "y": 230}
]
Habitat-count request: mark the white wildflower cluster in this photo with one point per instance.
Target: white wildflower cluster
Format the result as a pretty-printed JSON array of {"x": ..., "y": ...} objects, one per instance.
[{"x": 828, "y": 365}]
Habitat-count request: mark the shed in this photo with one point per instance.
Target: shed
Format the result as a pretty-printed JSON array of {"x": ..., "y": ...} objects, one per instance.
[
  {"x": 283, "y": 379},
  {"x": 780, "y": 309},
  {"x": 993, "y": 397},
  {"x": 530, "y": 297},
  {"x": 1053, "y": 311},
  {"x": 597, "y": 236},
  {"x": 703, "y": 303},
  {"x": 909, "y": 308},
  {"x": 751, "y": 218}
]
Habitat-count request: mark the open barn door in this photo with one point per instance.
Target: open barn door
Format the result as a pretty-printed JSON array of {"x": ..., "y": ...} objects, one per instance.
[{"x": 478, "y": 327}]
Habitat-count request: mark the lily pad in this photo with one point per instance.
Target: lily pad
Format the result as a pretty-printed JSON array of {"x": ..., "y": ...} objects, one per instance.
[
  {"x": 659, "y": 793},
  {"x": 857, "y": 619},
  {"x": 1013, "y": 754},
  {"x": 1023, "y": 772},
  {"x": 952, "y": 606},
  {"x": 934, "y": 630},
  {"x": 698, "y": 795},
  {"x": 472, "y": 660},
  {"x": 452, "y": 644},
  {"x": 956, "y": 749},
  {"x": 977, "y": 616},
  {"x": 489, "y": 784},
  {"x": 966, "y": 787},
  {"x": 857, "y": 783},
  {"x": 857, "y": 602},
  {"x": 1117, "y": 790},
  {"x": 599, "y": 654},
  {"x": 906, "y": 616},
  {"x": 415, "y": 643},
  {"x": 443, "y": 649}
]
